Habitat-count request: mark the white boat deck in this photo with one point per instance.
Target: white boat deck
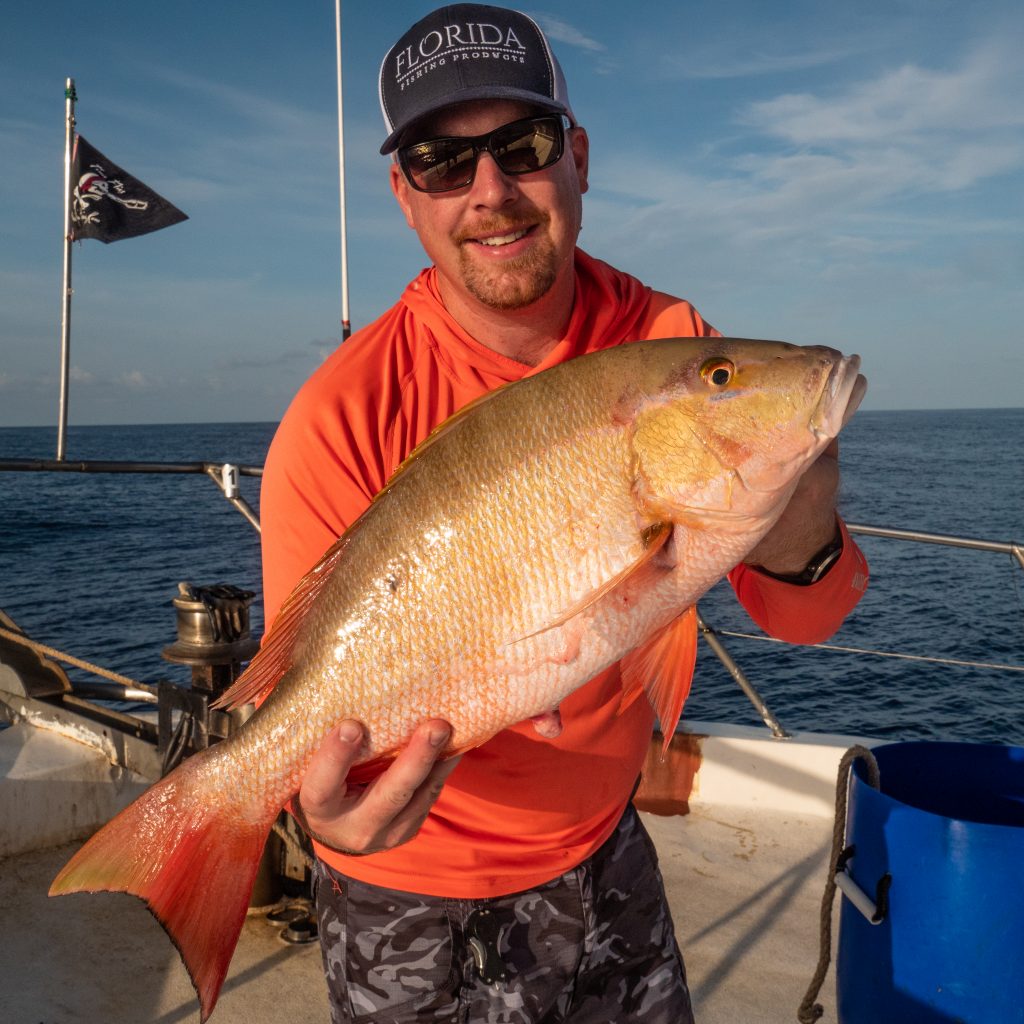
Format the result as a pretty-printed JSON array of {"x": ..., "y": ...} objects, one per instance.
[
  {"x": 745, "y": 890},
  {"x": 744, "y": 877}
]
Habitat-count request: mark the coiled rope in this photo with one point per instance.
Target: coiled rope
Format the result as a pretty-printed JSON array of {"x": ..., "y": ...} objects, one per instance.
[{"x": 809, "y": 1010}]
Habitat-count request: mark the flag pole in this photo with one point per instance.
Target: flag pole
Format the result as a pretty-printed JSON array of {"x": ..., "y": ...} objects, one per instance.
[
  {"x": 65, "y": 320},
  {"x": 346, "y": 326}
]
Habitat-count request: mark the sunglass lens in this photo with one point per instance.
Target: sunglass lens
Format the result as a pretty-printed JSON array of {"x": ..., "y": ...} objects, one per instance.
[
  {"x": 527, "y": 147},
  {"x": 440, "y": 165}
]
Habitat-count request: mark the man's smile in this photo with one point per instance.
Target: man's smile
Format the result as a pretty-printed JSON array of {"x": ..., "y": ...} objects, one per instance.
[
  {"x": 504, "y": 239},
  {"x": 500, "y": 237}
]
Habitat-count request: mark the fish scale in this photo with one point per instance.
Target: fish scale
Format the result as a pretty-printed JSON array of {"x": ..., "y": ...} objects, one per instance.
[
  {"x": 500, "y": 605},
  {"x": 545, "y": 532}
]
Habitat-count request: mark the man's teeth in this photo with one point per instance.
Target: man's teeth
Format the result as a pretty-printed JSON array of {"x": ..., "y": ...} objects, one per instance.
[{"x": 502, "y": 239}]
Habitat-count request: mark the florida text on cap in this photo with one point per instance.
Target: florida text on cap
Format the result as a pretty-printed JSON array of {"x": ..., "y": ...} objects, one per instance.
[{"x": 467, "y": 52}]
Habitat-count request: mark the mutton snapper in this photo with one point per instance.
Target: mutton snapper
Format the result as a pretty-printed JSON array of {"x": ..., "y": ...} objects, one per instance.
[{"x": 546, "y": 531}]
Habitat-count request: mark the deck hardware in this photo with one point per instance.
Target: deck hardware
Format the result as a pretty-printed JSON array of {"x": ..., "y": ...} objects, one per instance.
[
  {"x": 214, "y": 640},
  {"x": 299, "y": 920}
]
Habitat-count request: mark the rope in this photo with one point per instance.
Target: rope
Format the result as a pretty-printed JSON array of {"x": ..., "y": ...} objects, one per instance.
[
  {"x": 809, "y": 1010},
  {"x": 880, "y": 654},
  {"x": 179, "y": 740},
  {"x": 52, "y": 652}
]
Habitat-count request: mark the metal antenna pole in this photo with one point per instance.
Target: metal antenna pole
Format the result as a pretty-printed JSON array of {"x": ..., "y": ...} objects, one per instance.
[
  {"x": 346, "y": 326},
  {"x": 65, "y": 320}
]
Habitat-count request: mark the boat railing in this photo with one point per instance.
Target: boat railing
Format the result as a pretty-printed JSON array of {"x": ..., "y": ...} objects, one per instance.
[
  {"x": 713, "y": 637},
  {"x": 224, "y": 474},
  {"x": 1005, "y": 547},
  {"x": 227, "y": 475}
]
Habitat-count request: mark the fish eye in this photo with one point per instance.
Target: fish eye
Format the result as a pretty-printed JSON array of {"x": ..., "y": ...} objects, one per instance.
[{"x": 717, "y": 372}]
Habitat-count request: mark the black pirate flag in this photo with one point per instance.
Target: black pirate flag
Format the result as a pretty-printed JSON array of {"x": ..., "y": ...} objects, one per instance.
[{"x": 108, "y": 204}]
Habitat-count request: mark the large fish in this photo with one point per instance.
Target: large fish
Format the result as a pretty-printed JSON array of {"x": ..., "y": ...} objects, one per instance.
[{"x": 541, "y": 534}]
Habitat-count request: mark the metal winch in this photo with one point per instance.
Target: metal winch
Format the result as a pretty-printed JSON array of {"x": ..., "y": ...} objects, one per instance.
[
  {"x": 213, "y": 633},
  {"x": 214, "y": 640}
]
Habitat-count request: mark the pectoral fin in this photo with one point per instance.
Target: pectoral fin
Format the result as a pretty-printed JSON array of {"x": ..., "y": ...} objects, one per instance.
[
  {"x": 655, "y": 538},
  {"x": 664, "y": 668}
]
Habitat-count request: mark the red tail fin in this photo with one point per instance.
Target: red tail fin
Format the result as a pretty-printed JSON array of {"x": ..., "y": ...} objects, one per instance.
[{"x": 192, "y": 858}]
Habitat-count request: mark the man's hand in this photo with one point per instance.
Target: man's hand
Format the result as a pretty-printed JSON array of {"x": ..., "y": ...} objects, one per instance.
[
  {"x": 383, "y": 814},
  {"x": 808, "y": 522}
]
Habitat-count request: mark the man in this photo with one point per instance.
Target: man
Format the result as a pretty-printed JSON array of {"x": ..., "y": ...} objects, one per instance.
[{"x": 514, "y": 884}]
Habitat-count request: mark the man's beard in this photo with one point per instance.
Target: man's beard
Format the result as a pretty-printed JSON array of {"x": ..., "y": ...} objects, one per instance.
[{"x": 516, "y": 283}]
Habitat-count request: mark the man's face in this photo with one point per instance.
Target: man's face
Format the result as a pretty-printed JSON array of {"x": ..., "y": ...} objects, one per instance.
[{"x": 503, "y": 240}]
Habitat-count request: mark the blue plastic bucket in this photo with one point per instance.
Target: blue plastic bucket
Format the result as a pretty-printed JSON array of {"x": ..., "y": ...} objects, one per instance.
[{"x": 947, "y": 826}]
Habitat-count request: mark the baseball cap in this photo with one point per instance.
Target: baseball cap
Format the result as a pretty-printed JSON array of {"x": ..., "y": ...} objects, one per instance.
[{"x": 467, "y": 52}]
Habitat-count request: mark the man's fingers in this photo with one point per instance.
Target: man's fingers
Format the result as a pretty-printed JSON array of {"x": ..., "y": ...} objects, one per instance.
[
  {"x": 394, "y": 806},
  {"x": 323, "y": 789},
  {"x": 407, "y": 822},
  {"x": 391, "y": 809},
  {"x": 392, "y": 792}
]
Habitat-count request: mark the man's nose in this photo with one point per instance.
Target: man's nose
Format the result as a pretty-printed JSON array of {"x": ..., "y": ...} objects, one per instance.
[{"x": 491, "y": 186}]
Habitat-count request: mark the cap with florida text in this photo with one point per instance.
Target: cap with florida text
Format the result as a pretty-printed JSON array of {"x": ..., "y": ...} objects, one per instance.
[{"x": 467, "y": 52}]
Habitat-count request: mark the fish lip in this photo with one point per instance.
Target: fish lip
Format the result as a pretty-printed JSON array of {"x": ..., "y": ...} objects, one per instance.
[{"x": 841, "y": 395}]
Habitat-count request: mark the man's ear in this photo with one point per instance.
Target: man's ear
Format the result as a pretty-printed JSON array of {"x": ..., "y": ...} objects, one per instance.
[
  {"x": 579, "y": 145},
  {"x": 400, "y": 187}
]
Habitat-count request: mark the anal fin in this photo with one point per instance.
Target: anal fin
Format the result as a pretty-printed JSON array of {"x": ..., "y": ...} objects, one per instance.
[{"x": 663, "y": 667}]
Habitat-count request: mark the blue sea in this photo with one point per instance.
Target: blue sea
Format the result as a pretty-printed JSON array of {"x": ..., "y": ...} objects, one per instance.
[{"x": 90, "y": 564}]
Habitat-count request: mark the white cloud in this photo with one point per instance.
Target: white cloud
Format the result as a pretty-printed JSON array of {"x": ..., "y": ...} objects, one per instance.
[
  {"x": 882, "y": 215},
  {"x": 136, "y": 380},
  {"x": 827, "y": 166},
  {"x": 562, "y": 32},
  {"x": 908, "y": 101},
  {"x": 733, "y": 65}
]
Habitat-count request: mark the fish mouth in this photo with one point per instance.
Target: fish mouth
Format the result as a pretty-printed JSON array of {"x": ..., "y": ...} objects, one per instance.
[{"x": 843, "y": 391}]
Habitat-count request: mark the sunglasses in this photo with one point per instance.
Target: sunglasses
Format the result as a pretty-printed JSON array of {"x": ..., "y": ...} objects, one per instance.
[{"x": 521, "y": 147}]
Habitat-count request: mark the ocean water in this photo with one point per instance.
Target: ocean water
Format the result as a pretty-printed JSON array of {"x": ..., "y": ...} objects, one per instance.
[{"x": 90, "y": 564}]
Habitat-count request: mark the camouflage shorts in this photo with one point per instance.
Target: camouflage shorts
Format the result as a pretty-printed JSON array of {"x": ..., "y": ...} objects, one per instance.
[{"x": 593, "y": 946}]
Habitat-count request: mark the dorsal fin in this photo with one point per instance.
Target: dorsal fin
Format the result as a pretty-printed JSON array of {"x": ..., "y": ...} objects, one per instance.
[
  {"x": 443, "y": 428},
  {"x": 274, "y": 658}
]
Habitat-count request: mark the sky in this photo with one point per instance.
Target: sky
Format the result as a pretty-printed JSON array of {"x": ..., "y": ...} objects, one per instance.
[{"x": 850, "y": 174}]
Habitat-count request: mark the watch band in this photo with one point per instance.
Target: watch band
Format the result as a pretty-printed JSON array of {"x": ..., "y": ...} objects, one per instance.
[{"x": 816, "y": 568}]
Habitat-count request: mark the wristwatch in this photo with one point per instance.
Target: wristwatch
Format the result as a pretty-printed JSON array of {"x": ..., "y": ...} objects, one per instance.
[{"x": 816, "y": 568}]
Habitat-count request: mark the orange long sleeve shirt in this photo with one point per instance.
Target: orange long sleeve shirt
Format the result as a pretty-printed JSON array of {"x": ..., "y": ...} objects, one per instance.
[{"x": 520, "y": 809}]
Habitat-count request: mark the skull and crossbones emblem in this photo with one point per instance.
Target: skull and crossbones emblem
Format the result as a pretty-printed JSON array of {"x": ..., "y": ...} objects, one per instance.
[{"x": 94, "y": 186}]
